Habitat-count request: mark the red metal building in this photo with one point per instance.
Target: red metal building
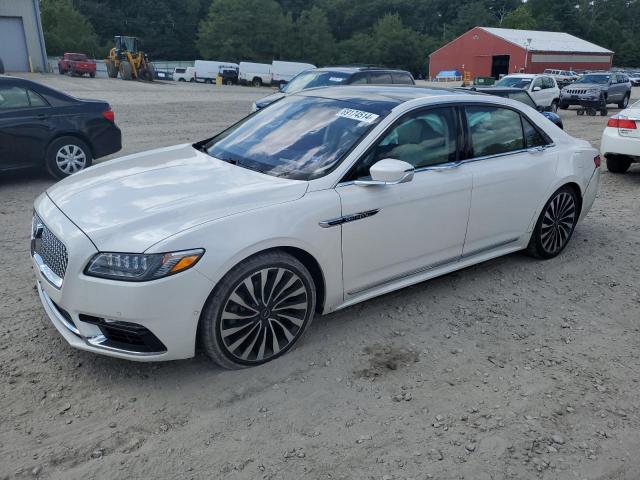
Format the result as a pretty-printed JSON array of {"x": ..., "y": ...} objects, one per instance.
[{"x": 491, "y": 52}]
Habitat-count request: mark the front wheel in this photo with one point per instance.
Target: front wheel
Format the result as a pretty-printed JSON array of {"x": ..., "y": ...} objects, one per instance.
[
  {"x": 66, "y": 156},
  {"x": 258, "y": 312},
  {"x": 554, "y": 106},
  {"x": 555, "y": 225}
]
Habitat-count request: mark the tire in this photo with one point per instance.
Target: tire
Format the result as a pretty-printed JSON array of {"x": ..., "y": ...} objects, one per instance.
[
  {"x": 580, "y": 112},
  {"x": 92, "y": 74},
  {"x": 274, "y": 270},
  {"x": 208, "y": 81},
  {"x": 112, "y": 71},
  {"x": 257, "y": 82},
  {"x": 554, "y": 106},
  {"x": 555, "y": 225},
  {"x": 76, "y": 153},
  {"x": 563, "y": 106},
  {"x": 61, "y": 70},
  {"x": 181, "y": 80},
  {"x": 625, "y": 101},
  {"x": 150, "y": 73},
  {"x": 192, "y": 80},
  {"x": 618, "y": 163},
  {"x": 125, "y": 70},
  {"x": 229, "y": 82},
  {"x": 604, "y": 111},
  {"x": 74, "y": 73}
]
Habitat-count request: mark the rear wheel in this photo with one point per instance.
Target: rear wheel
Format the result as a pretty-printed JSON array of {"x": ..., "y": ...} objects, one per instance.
[
  {"x": 257, "y": 82},
  {"x": 618, "y": 163},
  {"x": 555, "y": 225},
  {"x": 66, "y": 156},
  {"x": 181, "y": 80},
  {"x": 125, "y": 70},
  {"x": 92, "y": 74},
  {"x": 258, "y": 312},
  {"x": 625, "y": 101}
]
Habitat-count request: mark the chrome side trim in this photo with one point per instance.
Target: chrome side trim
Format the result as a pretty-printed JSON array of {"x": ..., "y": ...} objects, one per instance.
[
  {"x": 453, "y": 165},
  {"x": 432, "y": 266},
  {"x": 333, "y": 222},
  {"x": 490, "y": 247},
  {"x": 46, "y": 272},
  {"x": 402, "y": 276}
]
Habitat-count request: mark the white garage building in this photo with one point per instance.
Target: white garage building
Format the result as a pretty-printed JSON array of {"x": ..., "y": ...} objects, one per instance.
[{"x": 21, "y": 38}]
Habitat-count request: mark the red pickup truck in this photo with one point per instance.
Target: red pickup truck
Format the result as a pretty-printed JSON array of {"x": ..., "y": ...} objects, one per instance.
[{"x": 76, "y": 64}]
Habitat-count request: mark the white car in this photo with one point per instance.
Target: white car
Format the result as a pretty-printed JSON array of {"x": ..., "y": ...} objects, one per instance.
[
  {"x": 324, "y": 199},
  {"x": 620, "y": 143},
  {"x": 184, "y": 74},
  {"x": 542, "y": 88}
]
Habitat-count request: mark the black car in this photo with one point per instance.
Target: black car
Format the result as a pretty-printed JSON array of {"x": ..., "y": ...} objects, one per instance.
[
  {"x": 229, "y": 76},
  {"x": 519, "y": 95},
  {"x": 42, "y": 127},
  {"x": 336, "y": 76}
]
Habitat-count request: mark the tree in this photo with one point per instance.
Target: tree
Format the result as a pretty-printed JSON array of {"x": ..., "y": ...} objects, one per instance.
[
  {"x": 66, "y": 29},
  {"x": 520, "y": 18},
  {"x": 396, "y": 45},
  {"x": 314, "y": 40},
  {"x": 243, "y": 30}
]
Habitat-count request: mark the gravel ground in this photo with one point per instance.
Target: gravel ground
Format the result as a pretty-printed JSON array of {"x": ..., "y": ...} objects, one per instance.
[{"x": 513, "y": 369}]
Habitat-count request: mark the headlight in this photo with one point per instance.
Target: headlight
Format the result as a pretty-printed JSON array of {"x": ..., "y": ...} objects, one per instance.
[
  {"x": 138, "y": 267},
  {"x": 254, "y": 107}
]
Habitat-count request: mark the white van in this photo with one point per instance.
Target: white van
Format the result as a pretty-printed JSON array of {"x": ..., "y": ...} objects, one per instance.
[
  {"x": 207, "y": 71},
  {"x": 256, "y": 74},
  {"x": 184, "y": 74},
  {"x": 282, "y": 72}
]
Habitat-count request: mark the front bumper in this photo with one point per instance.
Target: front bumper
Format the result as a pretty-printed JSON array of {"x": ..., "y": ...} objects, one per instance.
[
  {"x": 614, "y": 143},
  {"x": 146, "y": 321},
  {"x": 583, "y": 100}
]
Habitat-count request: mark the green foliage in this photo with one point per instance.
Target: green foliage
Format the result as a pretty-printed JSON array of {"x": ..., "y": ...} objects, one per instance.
[
  {"x": 66, "y": 29},
  {"x": 520, "y": 18},
  {"x": 393, "y": 32}
]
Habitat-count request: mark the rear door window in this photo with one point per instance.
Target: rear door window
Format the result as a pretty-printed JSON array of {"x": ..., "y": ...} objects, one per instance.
[
  {"x": 532, "y": 136},
  {"x": 36, "y": 100},
  {"x": 13, "y": 97},
  {"x": 358, "y": 79},
  {"x": 380, "y": 78},
  {"x": 494, "y": 130}
]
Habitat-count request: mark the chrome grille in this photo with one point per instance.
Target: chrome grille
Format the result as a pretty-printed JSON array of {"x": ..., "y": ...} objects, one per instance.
[
  {"x": 577, "y": 91},
  {"x": 51, "y": 250}
]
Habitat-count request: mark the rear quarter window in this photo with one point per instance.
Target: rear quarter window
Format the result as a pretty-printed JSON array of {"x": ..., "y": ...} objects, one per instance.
[
  {"x": 402, "y": 79},
  {"x": 380, "y": 78}
]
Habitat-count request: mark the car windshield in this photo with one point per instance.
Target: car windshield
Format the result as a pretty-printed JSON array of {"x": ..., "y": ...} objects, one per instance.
[
  {"x": 515, "y": 82},
  {"x": 313, "y": 79},
  {"x": 78, "y": 57},
  {"x": 298, "y": 137},
  {"x": 601, "y": 79}
]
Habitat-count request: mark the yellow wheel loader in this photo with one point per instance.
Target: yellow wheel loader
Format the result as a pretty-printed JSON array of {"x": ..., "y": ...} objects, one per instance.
[{"x": 127, "y": 60}]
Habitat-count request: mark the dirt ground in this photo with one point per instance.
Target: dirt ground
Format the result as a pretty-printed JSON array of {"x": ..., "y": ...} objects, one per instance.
[{"x": 513, "y": 369}]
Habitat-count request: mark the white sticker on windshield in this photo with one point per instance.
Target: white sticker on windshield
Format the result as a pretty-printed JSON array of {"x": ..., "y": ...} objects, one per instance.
[
  {"x": 335, "y": 79},
  {"x": 357, "y": 115}
]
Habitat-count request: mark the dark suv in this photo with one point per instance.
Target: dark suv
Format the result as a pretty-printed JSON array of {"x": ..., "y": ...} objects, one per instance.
[
  {"x": 596, "y": 90},
  {"x": 340, "y": 75}
]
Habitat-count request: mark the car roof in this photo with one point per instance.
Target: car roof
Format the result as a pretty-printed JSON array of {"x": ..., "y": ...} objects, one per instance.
[
  {"x": 377, "y": 97},
  {"x": 523, "y": 75},
  {"x": 491, "y": 89},
  {"x": 356, "y": 69}
]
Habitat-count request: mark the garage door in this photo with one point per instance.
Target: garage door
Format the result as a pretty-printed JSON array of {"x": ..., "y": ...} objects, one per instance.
[{"x": 13, "y": 45}]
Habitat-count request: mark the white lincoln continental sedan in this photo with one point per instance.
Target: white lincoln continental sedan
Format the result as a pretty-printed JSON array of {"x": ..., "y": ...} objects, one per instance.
[{"x": 322, "y": 200}]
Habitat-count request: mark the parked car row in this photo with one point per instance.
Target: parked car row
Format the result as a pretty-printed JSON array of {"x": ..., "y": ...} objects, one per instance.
[{"x": 277, "y": 73}]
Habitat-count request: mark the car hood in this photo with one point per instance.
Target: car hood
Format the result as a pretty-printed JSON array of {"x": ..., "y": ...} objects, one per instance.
[
  {"x": 134, "y": 202},
  {"x": 263, "y": 102}
]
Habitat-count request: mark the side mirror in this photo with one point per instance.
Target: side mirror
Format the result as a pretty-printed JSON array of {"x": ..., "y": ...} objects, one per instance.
[
  {"x": 388, "y": 172},
  {"x": 536, "y": 89}
]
